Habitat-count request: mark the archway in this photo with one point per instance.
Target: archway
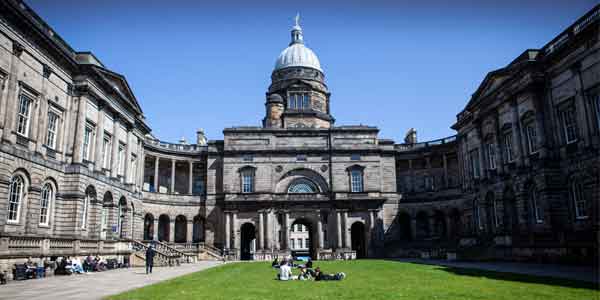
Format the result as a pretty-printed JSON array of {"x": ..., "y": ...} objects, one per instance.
[
  {"x": 357, "y": 236},
  {"x": 198, "y": 230},
  {"x": 301, "y": 241},
  {"x": 404, "y": 229},
  {"x": 439, "y": 224},
  {"x": 163, "y": 228},
  {"x": 107, "y": 203},
  {"x": 248, "y": 241},
  {"x": 510, "y": 218},
  {"x": 180, "y": 229},
  {"x": 148, "y": 227},
  {"x": 455, "y": 224},
  {"x": 422, "y": 225},
  {"x": 122, "y": 210}
]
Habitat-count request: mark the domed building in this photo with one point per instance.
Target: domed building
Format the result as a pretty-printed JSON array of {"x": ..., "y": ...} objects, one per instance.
[{"x": 81, "y": 174}]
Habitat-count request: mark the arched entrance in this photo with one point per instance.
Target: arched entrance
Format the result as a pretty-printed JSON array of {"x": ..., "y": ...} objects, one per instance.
[
  {"x": 198, "y": 230},
  {"x": 404, "y": 229},
  {"x": 455, "y": 224},
  {"x": 510, "y": 218},
  {"x": 439, "y": 224},
  {"x": 180, "y": 229},
  {"x": 163, "y": 228},
  {"x": 357, "y": 236},
  {"x": 422, "y": 225},
  {"x": 248, "y": 239},
  {"x": 301, "y": 241},
  {"x": 122, "y": 209},
  {"x": 148, "y": 227}
]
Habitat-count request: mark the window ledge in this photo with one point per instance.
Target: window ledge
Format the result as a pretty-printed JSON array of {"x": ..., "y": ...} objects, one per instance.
[
  {"x": 44, "y": 225},
  {"x": 12, "y": 222},
  {"x": 580, "y": 218}
]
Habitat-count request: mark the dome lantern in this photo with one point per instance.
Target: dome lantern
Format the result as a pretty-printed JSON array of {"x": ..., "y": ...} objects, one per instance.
[{"x": 297, "y": 54}]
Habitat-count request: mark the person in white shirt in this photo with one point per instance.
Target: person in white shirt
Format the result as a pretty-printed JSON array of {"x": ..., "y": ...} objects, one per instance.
[{"x": 285, "y": 272}]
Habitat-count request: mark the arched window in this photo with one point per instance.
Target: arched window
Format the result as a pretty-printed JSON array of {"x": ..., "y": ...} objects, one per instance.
[
  {"x": 356, "y": 180},
  {"x": 302, "y": 186},
  {"x": 46, "y": 203},
  {"x": 538, "y": 211},
  {"x": 578, "y": 197},
  {"x": 247, "y": 178},
  {"x": 86, "y": 203},
  {"x": 15, "y": 197}
]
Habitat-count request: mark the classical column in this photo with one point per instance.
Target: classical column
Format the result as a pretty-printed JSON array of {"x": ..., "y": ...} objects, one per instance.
[
  {"x": 172, "y": 190},
  {"x": 80, "y": 127},
  {"x": 172, "y": 230},
  {"x": 338, "y": 220},
  {"x": 99, "y": 139},
  {"x": 261, "y": 230},
  {"x": 236, "y": 242},
  {"x": 320, "y": 231},
  {"x": 286, "y": 230},
  {"x": 127, "y": 172},
  {"x": 268, "y": 231},
  {"x": 191, "y": 178},
  {"x": 346, "y": 231},
  {"x": 190, "y": 231},
  {"x": 227, "y": 231},
  {"x": 156, "y": 162},
  {"x": 114, "y": 166},
  {"x": 372, "y": 218},
  {"x": 155, "y": 234}
]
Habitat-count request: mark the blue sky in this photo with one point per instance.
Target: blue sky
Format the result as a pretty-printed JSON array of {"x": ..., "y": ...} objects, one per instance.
[{"x": 390, "y": 64}]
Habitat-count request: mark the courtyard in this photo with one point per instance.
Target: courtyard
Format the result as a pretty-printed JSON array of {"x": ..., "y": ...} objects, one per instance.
[{"x": 366, "y": 279}]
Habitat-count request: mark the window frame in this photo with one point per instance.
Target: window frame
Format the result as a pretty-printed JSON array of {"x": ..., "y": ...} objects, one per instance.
[
  {"x": 357, "y": 181},
  {"x": 577, "y": 192},
  {"x": 532, "y": 139},
  {"x": 568, "y": 117},
  {"x": 88, "y": 137},
  {"x": 48, "y": 192},
  {"x": 18, "y": 203},
  {"x": 491, "y": 155},
  {"x": 52, "y": 129},
  {"x": 474, "y": 164},
  {"x": 507, "y": 146},
  {"x": 537, "y": 210},
  {"x": 26, "y": 117},
  {"x": 121, "y": 159},
  {"x": 106, "y": 150},
  {"x": 299, "y": 100},
  {"x": 247, "y": 180}
]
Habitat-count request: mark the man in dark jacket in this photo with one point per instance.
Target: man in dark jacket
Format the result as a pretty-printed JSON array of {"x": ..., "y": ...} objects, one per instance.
[{"x": 150, "y": 259}]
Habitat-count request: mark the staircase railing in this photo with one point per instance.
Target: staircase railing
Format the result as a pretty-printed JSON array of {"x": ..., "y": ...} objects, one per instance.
[{"x": 163, "y": 257}]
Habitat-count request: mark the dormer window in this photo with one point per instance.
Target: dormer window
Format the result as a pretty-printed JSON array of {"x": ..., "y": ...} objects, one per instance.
[{"x": 299, "y": 101}]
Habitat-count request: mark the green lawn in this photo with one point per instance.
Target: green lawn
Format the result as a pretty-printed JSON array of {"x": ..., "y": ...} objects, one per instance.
[{"x": 367, "y": 280}]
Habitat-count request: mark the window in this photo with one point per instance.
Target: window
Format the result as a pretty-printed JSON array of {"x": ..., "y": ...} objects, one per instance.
[
  {"x": 356, "y": 180},
  {"x": 355, "y": 157},
  {"x": 531, "y": 134},
  {"x": 121, "y": 159},
  {"x": 247, "y": 157},
  {"x": 302, "y": 186},
  {"x": 292, "y": 243},
  {"x": 46, "y": 203},
  {"x": 15, "y": 197},
  {"x": 106, "y": 151},
  {"x": 299, "y": 101},
  {"x": 508, "y": 147},
  {"x": 477, "y": 215},
  {"x": 52, "y": 130},
  {"x": 84, "y": 215},
  {"x": 497, "y": 217},
  {"x": 301, "y": 157},
  {"x": 429, "y": 183},
  {"x": 569, "y": 124},
  {"x": 247, "y": 181},
  {"x": 474, "y": 163},
  {"x": 538, "y": 211},
  {"x": 491, "y": 155},
  {"x": 88, "y": 135},
  {"x": 133, "y": 172},
  {"x": 24, "y": 115},
  {"x": 300, "y": 244},
  {"x": 306, "y": 243},
  {"x": 578, "y": 196},
  {"x": 595, "y": 99}
]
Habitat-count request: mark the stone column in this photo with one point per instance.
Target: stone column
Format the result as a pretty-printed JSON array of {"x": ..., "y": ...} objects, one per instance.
[
  {"x": 286, "y": 235},
  {"x": 99, "y": 139},
  {"x": 9, "y": 103},
  {"x": 191, "y": 178},
  {"x": 190, "y": 231},
  {"x": 227, "y": 231},
  {"x": 346, "y": 231},
  {"x": 320, "y": 231},
  {"x": 172, "y": 230},
  {"x": 338, "y": 220},
  {"x": 445, "y": 162},
  {"x": 516, "y": 132},
  {"x": 156, "y": 162},
  {"x": 261, "y": 230},
  {"x": 114, "y": 166},
  {"x": 80, "y": 127},
  {"x": 236, "y": 240},
  {"x": 155, "y": 234},
  {"x": 268, "y": 231},
  {"x": 172, "y": 189},
  {"x": 127, "y": 172}
]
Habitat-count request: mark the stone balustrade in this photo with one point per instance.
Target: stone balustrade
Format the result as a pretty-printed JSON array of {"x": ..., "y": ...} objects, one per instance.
[{"x": 18, "y": 246}]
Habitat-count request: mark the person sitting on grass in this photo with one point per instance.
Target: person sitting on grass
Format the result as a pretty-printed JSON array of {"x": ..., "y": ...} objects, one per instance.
[
  {"x": 304, "y": 274},
  {"x": 285, "y": 272},
  {"x": 322, "y": 276},
  {"x": 275, "y": 263}
]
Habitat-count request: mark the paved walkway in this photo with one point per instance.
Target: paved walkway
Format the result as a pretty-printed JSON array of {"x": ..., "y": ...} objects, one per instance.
[
  {"x": 94, "y": 285},
  {"x": 578, "y": 273}
]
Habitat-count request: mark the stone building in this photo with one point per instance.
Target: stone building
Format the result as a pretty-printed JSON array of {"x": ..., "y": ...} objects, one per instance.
[{"x": 82, "y": 174}]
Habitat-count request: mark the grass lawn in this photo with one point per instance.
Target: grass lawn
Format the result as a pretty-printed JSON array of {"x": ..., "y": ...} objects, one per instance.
[{"x": 367, "y": 280}]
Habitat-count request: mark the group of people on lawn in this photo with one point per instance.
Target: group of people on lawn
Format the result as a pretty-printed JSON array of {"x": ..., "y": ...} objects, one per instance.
[{"x": 307, "y": 272}]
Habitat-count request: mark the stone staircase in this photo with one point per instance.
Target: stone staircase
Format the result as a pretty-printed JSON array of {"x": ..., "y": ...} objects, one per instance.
[{"x": 174, "y": 254}]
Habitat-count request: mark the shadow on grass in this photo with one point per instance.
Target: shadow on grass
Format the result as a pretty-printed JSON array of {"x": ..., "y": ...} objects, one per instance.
[{"x": 515, "y": 277}]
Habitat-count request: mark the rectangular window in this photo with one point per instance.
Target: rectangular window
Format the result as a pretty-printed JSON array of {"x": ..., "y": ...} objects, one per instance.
[
  {"x": 596, "y": 105},
  {"x": 508, "y": 147},
  {"x": 121, "y": 159},
  {"x": 538, "y": 211},
  {"x": 247, "y": 181},
  {"x": 355, "y": 157},
  {"x": 106, "y": 151},
  {"x": 88, "y": 135},
  {"x": 474, "y": 163},
  {"x": 133, "y": 172},
  {"x": 298, "y": 100},
  {"x": 292, "y": 244},
  {"x": 491, "y": 155},
  {"x": 569, "y": 120},
  {"x": 52, "y": 130},
  {"x": 306, "y": 243},
  {"x": 24, "y": 115},
  {"x": 356, "y": 181},
  {"x": 578, "y": 196},
  {"x": 531, "y": 133}
]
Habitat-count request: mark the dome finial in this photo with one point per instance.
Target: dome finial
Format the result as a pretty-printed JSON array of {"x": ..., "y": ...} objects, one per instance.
[{"x": 297, "y": 31}]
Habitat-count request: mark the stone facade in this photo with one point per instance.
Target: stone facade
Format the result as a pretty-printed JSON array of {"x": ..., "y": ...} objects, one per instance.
[{"x": 80, "y": 172}]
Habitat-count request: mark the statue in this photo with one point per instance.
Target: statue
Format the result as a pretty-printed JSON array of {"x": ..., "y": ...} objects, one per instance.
[{"x": 297, "y": 19}]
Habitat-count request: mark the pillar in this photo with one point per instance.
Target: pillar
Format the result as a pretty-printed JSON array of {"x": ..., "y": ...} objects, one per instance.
[
  {"x": 236, "y": 240},
  {"x": 320, "y": 231},
  {"x": 114, "y": 166},
  {"x": 261, "y": 230},
  {"x": 338, "y": 220},
  {"x": 172, "y": 188},
  {"x": 80, "y": 127},
  {"x": 190, "y": 231},
  {"x": 268, "y": 230},
  {"x": 99, "y": 139},
  {"x": 286, "y": 230},
  {"x": 445, "y": 162},
  {"x": 227, "y": 231},
  {"x": 172, "y": 230},
  {"x": 156, "y": 162},
  {"x": 346, "y": 232},
  {"x": 191, "y": 178},
  {"x": 127, "y": 172},
  {"x": 155, "y": 234}
]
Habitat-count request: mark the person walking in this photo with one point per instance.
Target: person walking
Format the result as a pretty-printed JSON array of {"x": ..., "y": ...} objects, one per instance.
[{"x": 150, "y": 252}]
